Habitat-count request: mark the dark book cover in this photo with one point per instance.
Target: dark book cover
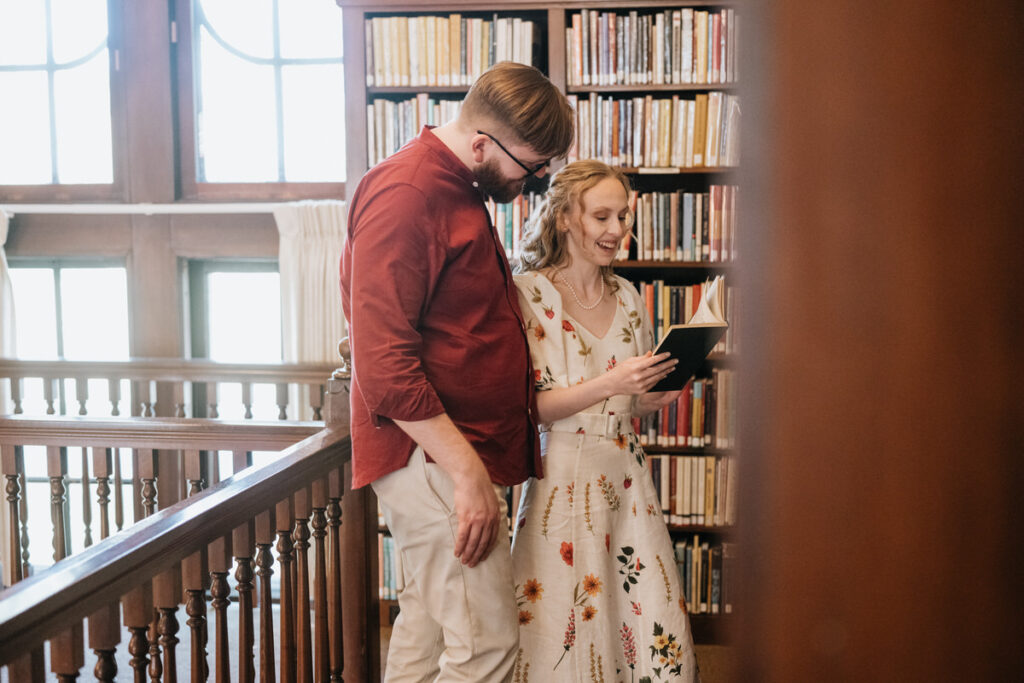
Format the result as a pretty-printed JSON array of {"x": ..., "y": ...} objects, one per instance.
[{"x": 690, "y": 344}]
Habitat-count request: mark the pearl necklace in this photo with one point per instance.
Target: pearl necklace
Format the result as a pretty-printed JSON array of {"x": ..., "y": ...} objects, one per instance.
[{"x": 572, "y": 290}]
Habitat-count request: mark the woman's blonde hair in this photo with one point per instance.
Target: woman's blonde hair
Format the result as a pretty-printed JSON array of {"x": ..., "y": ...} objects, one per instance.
[{"x": 544, "y": 245}]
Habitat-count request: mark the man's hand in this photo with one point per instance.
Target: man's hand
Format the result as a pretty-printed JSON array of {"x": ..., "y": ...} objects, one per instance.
[{"x": 478, "y": 515}]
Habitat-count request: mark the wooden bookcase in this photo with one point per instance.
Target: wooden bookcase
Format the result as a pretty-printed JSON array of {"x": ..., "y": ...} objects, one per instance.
[{"x": 550, "y": 48}]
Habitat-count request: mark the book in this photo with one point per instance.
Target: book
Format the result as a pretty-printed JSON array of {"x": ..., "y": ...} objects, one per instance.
[{"x": 690, "y": 343}]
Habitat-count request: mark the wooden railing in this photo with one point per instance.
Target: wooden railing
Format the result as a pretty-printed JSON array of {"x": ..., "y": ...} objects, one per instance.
[
  {"x": 182, "y": 554},
  {"x": 166, "y": 379}
]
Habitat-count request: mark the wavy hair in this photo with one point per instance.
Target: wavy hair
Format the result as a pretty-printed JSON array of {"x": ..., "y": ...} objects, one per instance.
[{"x": 544, "y": 245}]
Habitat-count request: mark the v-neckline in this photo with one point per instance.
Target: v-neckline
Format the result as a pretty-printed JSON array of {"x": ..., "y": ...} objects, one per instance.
[{"x": 611, "y": 323}]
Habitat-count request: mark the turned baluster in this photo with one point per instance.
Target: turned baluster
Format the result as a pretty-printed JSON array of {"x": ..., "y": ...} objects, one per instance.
[
  {"x": 321, "y": 646},
  {"x": 283, "y": 518},
  {"x": 243, "y": 544},
  {"x": 67, "y": 653},
  {"x": 104, "y": 636},
  {"x": 247, "y": 399},
  {"x": 16, "y": 395},
  {"x": 82, "y": 394},
  {"x": 147, "y": 398},
  {"x": 264, "y": 531},
  {"x": 49, "y": 394},
  {"x": 56, "y": 470},
  {"x": 194, "y": 573},
  {"x": 178, "y": 393},
  {"x": 282, "y": 401},
  {"x": 114, "y": 394},
  {"x": 220, "y": 591},
  {"x": 118, "y": 491},
  {"x": 86, "y": 502},
  {"x": 102, "y": 465},
  {"x": 212, "y": 400},
  {"x": 19, "y": 463},
  {"x": 13, "y": 571},
  {"x": 316, "y": 400},
  {"x": 137, "y": 612},
  {"x": 168, "y": 628},
  {"x": 334, "y": 491},
  {"x": 146, "y": 470},
  {"x": 300, "y": 541}
]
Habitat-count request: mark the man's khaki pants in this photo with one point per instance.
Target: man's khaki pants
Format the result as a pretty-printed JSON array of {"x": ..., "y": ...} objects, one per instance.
[{"x": 455, "y": 623}]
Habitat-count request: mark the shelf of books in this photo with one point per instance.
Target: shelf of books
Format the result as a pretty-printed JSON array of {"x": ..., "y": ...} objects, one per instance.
[{"x": 655, "y": 90}]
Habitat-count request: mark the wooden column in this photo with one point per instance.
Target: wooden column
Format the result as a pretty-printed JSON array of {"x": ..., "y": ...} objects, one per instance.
[{"x": 883, "y": 398}]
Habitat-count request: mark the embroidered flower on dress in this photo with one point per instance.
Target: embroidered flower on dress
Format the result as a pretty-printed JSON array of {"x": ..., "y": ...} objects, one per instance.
[
  {"x": 566, "y": 552},
  {"x": 532, "y": 590},
  {"x": 567, "y": 326},
  {"x": 525, "y": 617},
  {"x": 538, "y": 332},
  {"x": 611, "y": 363},
  {"x": 591, "y": 584},
  {"x": 588, "y": 612}
]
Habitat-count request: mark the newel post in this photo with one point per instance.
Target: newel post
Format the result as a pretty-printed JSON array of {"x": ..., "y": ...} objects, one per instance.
[{"x": 360, "y": 616}]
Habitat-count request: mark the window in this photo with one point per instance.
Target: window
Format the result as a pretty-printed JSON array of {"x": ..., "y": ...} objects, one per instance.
[
  {"x": 73, "y": 311},
  {"x": 55, "y": 122},
  {"x": 235, "y": 317},
  {"x": 265, "y": 103}
]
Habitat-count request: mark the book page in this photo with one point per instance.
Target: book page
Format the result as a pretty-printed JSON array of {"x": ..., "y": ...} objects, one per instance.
[{"x": 709, "y": 310}]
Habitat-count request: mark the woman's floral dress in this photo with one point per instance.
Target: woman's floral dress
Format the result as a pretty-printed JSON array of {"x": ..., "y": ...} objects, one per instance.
[{"x": 596, "y": 580}]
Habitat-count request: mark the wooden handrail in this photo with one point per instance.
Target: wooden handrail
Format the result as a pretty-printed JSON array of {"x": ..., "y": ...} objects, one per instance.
[
  {"x": 154, "y": 432},
  {"x": 42, "y": 606},
  {"x": 170, "y": 370}
]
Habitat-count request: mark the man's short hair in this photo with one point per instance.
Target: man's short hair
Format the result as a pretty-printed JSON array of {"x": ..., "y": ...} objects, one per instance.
[{"x": 528, "y": 105}]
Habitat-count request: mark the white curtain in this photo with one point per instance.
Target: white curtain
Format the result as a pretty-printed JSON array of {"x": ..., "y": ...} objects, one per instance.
[
  {"x": 312, "y": 235},
  {"x": 7, "y": 350}
]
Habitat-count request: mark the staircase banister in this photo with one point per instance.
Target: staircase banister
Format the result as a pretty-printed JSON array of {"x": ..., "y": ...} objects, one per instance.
[
  {"x": 154, "y": 432},
  {"x": 43, "y": 605},
  {"x": 169, "y": 370}
]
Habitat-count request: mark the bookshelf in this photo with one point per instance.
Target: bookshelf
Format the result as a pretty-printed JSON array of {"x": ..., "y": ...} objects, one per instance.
[{"x": 669, "y": 171}]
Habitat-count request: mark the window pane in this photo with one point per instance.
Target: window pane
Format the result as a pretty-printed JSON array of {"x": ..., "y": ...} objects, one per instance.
[
  {"x": 94, "y": 307},
  {"x": 310, "y": 28},
  {"x": 245, "y": 25},
  {"x": 25, "y": 128},
  {"x": 244, "y": 317},
  {"x": 79, "y": 27},
  {"x": 35, "y": 313},
  {"x": 237, "y": 124},
  {"x": 314, "y": 122},
  {"x": 255, "y": 106},
  {"x": 82, "y": 110},
  {"x": 22, "y": 32}
]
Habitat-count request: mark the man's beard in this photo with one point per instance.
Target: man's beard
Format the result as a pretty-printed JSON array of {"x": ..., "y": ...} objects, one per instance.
[{"x": 494, "y": 183}]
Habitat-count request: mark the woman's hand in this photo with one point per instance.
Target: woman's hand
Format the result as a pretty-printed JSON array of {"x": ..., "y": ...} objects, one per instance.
[
  {"x": 655, "y": 400},
  {"x": 638, "y": 374}
]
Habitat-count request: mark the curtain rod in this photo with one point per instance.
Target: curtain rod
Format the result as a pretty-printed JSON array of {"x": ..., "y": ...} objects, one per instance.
[{"x": 145, "y": 209}]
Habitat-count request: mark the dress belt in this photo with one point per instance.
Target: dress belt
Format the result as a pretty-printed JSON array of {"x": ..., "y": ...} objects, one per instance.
[{"x": 593, "y": 424}]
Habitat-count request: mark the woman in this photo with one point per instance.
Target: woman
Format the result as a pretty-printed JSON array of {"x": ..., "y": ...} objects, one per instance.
[{"x": 596, "y": 580}]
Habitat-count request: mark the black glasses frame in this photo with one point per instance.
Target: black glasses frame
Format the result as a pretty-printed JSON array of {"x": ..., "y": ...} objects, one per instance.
[{"x": 529, "y": 171}]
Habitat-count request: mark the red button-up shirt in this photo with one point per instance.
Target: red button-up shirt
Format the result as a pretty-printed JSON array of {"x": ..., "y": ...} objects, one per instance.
[{"x": 434, "y": 319}]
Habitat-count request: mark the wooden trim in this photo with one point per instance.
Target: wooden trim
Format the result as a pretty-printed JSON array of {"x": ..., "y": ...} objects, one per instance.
[
  {"x": 663, "y": 88},
  {"x": 40, "y": 606},
  {"x": 260, "y": 191},
  {"x": 431, "y": 7},
  {"x": 153, "y": 432}
]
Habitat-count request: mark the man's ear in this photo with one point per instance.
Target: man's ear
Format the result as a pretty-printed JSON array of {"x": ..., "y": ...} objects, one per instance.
[{"x": 478, "y": 146}]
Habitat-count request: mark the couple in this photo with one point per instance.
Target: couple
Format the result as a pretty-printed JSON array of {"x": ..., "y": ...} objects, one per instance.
[{"x": 456, "y": 363}]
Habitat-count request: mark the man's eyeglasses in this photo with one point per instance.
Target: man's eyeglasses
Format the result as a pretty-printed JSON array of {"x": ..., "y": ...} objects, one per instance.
[{"x": 529, "y": 170}]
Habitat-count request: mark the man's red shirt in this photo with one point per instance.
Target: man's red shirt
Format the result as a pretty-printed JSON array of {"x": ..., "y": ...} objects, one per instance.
[{"x": 434, "y": 319}]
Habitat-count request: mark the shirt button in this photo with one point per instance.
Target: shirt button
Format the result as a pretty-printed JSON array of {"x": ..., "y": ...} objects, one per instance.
[{"x": 476, "y": 184}]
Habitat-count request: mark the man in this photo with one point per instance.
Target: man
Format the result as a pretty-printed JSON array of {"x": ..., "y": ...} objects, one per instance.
[{"x": 442, "y": 382}]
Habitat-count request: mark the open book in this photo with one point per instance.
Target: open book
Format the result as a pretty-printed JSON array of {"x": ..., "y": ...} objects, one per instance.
[{"x": 692, "y": 342}]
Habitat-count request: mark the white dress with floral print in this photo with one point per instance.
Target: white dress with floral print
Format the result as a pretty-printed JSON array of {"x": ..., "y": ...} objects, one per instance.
[{"x": 596, "y": 580}]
